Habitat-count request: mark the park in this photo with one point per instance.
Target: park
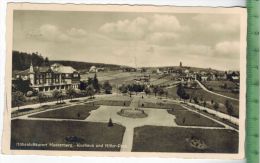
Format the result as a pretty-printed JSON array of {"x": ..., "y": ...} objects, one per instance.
[{"x": 129, "y": 119}]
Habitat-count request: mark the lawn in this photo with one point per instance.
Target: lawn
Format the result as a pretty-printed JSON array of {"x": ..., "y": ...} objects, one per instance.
[
  {"x": 26, "y": 111},
  {"x": 66, "y": 133},
  {"x": 159, "y": 81},
  {"x": 115, "y": 101},
  {"x": 188, "y": 118},
  {"x": 72, "y": 112},
  {"x": 171, "y": 139},
  {"x": 217, "y": 86},
  {"x": 172, "y": 92},
  {"x": 201, "y": 94},
  {"x": 156, "y": 103}
]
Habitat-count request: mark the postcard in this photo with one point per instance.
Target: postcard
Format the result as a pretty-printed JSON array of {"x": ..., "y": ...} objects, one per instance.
[{"x": 125, "y": 80}]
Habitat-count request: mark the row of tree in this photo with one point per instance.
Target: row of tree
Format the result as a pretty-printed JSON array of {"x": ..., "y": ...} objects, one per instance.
[
  {"x": 93, "y": 83},
  {"x": 18, "y": 98},
  {"x": 156, "y": 90}
]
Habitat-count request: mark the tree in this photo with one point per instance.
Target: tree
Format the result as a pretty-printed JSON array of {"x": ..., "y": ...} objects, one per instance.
[
  {"x": 216, "y": 106},
  {"x": 22, "y": 60},
  {"x": 123, "y": 89},
  {"x": 155, "y": 90},
  {"x": 57, "y": 95},
  {"x": 46, "y": 61},
  {"x": 182, "y": 93},
  {"x": 166, "y": 93},
  {"x": 71, "y": 93},
  {"x": 21, "y": 85},
  {"x": 90, "y": 81},
  {"x": 160, "y": 91},
  {"x": 147, "y": 91},
  {"x": 204, "y": 104},
  {"x": 195, "y": 99},
  {"x": 229, "y": 107},
  {"x": 110, "y": 123},
  {"x": 18, "y": 99},
  {"x": 95, "y": 83},
  {"x": 83, "y": 85},
  {"x": 41, "y": 97},
  {"x": 107, "y": 87},
  {"x": 90, "y": 91}
]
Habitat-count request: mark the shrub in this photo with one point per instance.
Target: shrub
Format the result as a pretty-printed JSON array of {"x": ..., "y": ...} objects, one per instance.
[
  {"x": 18, "y": 99},
  {"x": 110, "y": 123},
  {"x": 29, "y": 93}
]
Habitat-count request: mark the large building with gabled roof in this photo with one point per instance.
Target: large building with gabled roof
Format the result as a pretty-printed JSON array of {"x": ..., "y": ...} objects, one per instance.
[{"x": 49, "y": 78}]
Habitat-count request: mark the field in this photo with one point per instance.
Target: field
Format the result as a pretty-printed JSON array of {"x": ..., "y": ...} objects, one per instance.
[
  {"x": 114, "y": 77},
  {"x": 115, "y": 101},
  {"x": 73, "y": 112},
  {"x": 172, "y": 92},
  {"x": 188, "y": 118},
  {"x": 201, "y": 94},
  {"x": 64, "y": 132},
  {"x": 206, "y": 96},
  {"x": 217, "y": 86},
  {"x": 169, "y": 139}
]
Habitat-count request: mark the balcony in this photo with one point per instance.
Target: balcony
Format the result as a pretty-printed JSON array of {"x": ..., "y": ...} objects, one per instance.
[{"x": 52, "y": 84}]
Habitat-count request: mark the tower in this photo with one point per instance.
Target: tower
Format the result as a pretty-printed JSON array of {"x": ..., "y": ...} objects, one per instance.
[
  {"x": 180, "y": 64},
  {"x": 31, "y": 74}
]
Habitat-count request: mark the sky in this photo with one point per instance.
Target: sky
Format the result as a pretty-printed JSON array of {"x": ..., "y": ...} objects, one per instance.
[{"x": 154, "y": 39}]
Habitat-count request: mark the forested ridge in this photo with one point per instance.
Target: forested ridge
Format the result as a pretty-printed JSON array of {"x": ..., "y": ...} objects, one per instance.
[{"x": 22, "y": 61}]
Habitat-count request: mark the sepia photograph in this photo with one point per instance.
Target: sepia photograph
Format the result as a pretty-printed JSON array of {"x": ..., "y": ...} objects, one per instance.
[{"x": 133, "y": 80}]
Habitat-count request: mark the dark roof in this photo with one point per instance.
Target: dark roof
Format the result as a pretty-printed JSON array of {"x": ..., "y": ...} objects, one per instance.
[
  {"x": 24, "y": 72},
  {"x": 42, "y": 69}
]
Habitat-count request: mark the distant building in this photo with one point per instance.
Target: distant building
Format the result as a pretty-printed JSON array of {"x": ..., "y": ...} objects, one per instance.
[
  {"x": 158, "y": 71},
  {"x": 186, "y": 71},
  {"x": 48, "y": 78},
  {"x": 235, "y": 78},
  {"x": 180, "y": 64},
  {"x": 204, "y": 78},
  {"x": 93, "y": 69}
]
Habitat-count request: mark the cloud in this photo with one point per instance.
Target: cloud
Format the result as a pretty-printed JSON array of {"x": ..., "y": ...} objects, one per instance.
[
  {"x": 50, "y": 32},
  {"x": 163, "y": 38},
  {"x": 156, "y": 28},
  {"x": 219, "y": 23},
  {"x": 230, "y": 48},
  {"x": 126, "y": 29},
  {"x": 165, "y": 23},
  {"x": 76, "y": 32}
]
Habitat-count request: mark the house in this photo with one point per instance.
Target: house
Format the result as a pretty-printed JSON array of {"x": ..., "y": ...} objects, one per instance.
[
  {"x": 158, "y": 71},
  {"x": 93, "y": 69},
  {"x": 212, "y": 77},
  {"x": 204, "y": 78},
  {"x": 235, "y": 78},
  {"x": 48, "y": 78},
  {"x": 186, "y": 71}
]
